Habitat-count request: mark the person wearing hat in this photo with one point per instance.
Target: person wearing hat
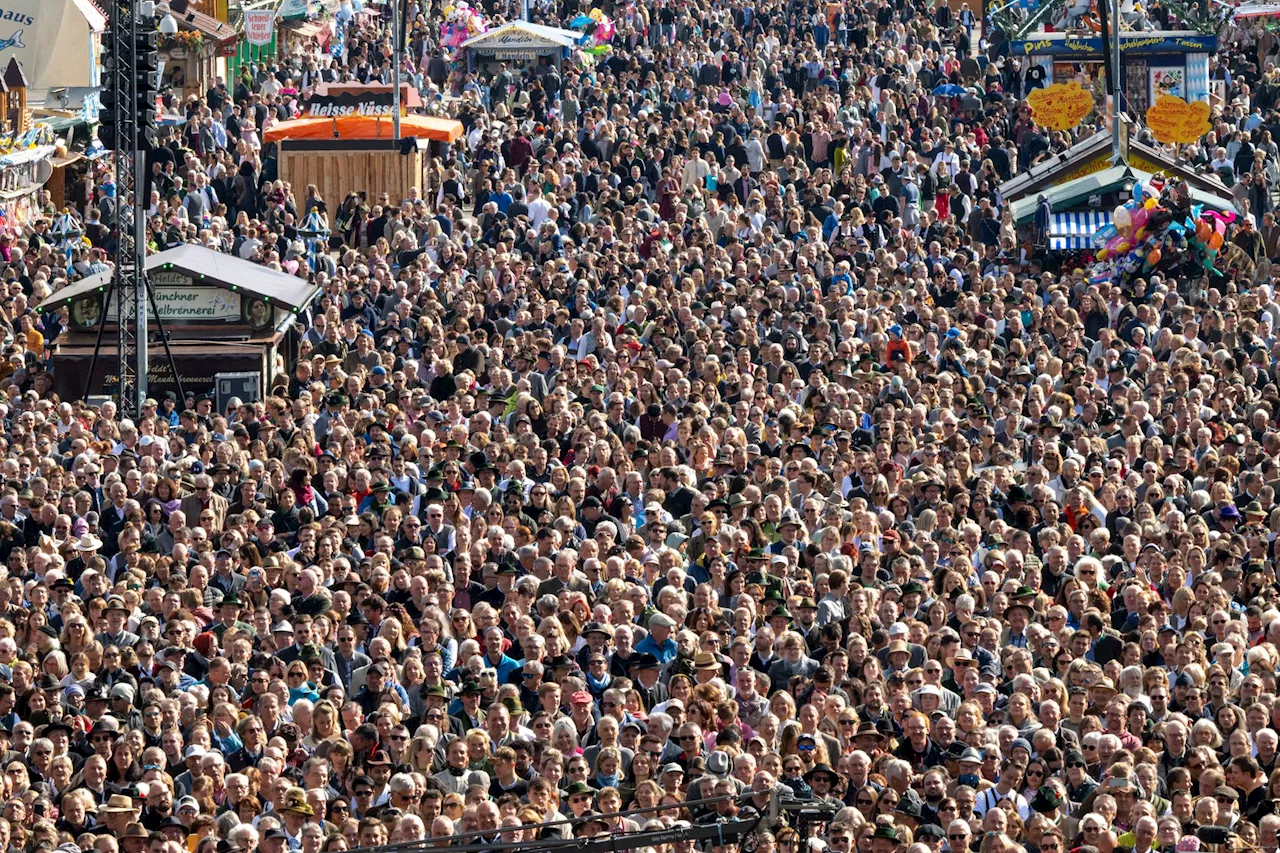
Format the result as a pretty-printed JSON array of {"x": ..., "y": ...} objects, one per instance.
[
  {"x": 468, "y": 709},
  {"x": 435, "y": 701},
  {"x": 884, "y": 839},
  {"x": 1078, "y": 784},
  {"x": 598, "y": 639},
  {"x": 133, "y": 839},
  {"x": 707, "y": 666},
  {"x": 898, "y": 632},
  {"x": 1018, "y": 615},
  {"x": 204, "y": 498},
  {"x": 1051, "y": 801},
  {"x": 898, "y": 654},
  {"x": 578, "y": 797},
  {"x": 805, "y": 622},
  {"x": 295, "y": 811},
  {"x": 115, "y": 633},
  {"x": 822, "y": 781},
  {"x": 646, "y": 675},
  {"x": 229, "y": 617},
  {"x": 118, "y": 813}
]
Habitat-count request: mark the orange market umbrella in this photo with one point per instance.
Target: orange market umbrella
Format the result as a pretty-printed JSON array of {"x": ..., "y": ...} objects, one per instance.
[{"x": 365, "y": 127}]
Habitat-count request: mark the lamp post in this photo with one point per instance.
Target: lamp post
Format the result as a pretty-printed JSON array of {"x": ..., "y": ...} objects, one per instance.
[{"x": 395, "y": 69}]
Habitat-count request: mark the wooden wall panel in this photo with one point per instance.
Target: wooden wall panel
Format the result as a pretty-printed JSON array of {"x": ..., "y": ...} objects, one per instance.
[{"x": 336, "y": 173}]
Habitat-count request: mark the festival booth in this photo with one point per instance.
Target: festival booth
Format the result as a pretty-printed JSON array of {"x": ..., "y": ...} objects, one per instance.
[
  {"x": 300, "y": 22},
  {"x": 518, "y": 44},
  {"x": 222, "y": 315},
  {"x": 193, "y": 58},
  {"x": 27, "y": 152},
  {"x": 1087, "y": 167},
  {"x": 350, "y": 149},
  {"x": 1152, "y": 63},
  {"x": 71, "y": 113},
  {"x": 1086, "y": 183}
]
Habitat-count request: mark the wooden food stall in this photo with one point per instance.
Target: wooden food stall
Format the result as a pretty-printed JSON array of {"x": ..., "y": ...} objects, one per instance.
[
  {"x": 194, "y": 58},
  {"x": 222, "y": 314},
  {"x": 358, "y": 152}
]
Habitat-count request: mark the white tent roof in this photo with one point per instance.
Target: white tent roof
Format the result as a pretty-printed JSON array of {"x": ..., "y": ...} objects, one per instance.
[
  {"x": 1257, "y": 10},
  {"x": 523, "y": 37}
]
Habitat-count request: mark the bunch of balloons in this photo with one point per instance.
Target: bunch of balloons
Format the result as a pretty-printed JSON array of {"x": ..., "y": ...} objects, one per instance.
[
  {"x": 461, "y": 21},
  {"x": 1158, "y": 230},
  {"x": 597, "y": 31}
]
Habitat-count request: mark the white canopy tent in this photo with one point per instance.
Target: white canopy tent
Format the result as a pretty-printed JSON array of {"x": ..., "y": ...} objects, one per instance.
[
  {"x": 1257, "y": 10},
  {"x": 520, "y": 41}
]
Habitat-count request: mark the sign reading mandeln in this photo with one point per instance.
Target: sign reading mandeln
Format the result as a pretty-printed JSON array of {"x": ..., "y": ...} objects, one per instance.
[
  {"x": 1172, "y": 119},
  {"x": 1061, "y": 106}
]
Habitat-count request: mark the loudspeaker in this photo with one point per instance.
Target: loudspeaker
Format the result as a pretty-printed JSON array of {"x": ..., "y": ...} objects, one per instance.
[{"x": 247, "y": 386}]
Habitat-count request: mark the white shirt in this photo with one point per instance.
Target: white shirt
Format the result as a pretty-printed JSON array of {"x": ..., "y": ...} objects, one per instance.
[
  {"x": 539, "y": 209},
  {"x": 946, "y": 164}
]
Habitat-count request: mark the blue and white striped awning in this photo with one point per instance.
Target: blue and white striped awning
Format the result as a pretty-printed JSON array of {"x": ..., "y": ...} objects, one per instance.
[{"x": 1075, "y": 230}]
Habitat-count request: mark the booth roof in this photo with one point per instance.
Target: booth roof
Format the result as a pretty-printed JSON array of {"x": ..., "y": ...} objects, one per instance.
[
  {"x": 92, "y": 14},
  {"x": 221, "y": 269},
  {"x": 1257, "y": 10},
  {"x": 365, "y": 127},
  {"x": 553, "y": 36},
  {"x": 207, "y": 25},
  {"x": 1074, "y": 192}
]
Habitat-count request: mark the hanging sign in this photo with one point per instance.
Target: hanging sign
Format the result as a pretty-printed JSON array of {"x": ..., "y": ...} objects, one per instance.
[
  {"x": 1061, "y": 106},
  {"x": 184, "y": 302},
  {"x": 1172, "y": 119},
  {"x": 259, "y": 25}
]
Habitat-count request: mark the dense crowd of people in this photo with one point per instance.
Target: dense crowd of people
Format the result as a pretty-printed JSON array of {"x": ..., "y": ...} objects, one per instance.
[{"x": 703, "y": 442}]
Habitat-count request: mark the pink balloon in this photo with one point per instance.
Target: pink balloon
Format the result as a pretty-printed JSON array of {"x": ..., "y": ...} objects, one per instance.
[{"x": 1118, "y": 245}]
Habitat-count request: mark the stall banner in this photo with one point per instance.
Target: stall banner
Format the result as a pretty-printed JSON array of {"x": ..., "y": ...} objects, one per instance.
[
  {"x": 351, "y": 104},
  {"x": 1130, "y": 43},
  {"x": 1061, "y": 106},
  {"x": 259, "y": 26},
  {"x": 1174, "y": 120},
  {"x": 176, "y": 299},
  {"x": 290, "y": 9}
]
